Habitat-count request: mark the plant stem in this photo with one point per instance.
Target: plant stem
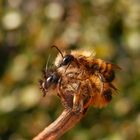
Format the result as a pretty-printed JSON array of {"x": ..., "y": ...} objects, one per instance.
[{"x": 63, "y": 123}]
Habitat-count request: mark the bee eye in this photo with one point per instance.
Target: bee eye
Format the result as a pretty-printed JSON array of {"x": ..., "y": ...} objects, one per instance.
[
  {"x": 48, "y": 82},
  {"x": 52, "y": 79},
  {"x": 49, "y": 79},
  {"x": 67, "y": 59}
]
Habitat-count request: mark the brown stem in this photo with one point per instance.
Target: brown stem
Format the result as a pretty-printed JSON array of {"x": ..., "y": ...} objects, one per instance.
[{"x": 62, "y": 124}]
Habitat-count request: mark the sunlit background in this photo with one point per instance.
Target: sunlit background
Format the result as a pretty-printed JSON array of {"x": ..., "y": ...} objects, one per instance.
[{"x": 27, "y": 30}]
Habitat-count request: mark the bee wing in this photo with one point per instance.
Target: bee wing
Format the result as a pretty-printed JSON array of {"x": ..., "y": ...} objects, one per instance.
[
  {"x": 116, "y": 67},
  {"x": 113, "y": 87}
]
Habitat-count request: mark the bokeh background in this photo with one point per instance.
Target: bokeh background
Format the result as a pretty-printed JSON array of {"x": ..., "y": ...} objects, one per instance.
[{"x": 28, "y": 28}]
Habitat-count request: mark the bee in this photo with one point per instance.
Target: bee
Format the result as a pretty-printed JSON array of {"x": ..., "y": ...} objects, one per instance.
[
  {"x": 86, "y": 61},
  {"x": 67, "y": 87},
  {"x": 88, "y": 90},
  {"x": 92, "y": 70},
  {"x": 80, "y": 80},
  {"x": 87, "y": 64},
  {"x": 75, "y": 92}
]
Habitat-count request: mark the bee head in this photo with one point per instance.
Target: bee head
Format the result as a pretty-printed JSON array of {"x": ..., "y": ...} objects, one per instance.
[
  {"x": 67, "y": 59},
  {"x": 50, "y": 79}
]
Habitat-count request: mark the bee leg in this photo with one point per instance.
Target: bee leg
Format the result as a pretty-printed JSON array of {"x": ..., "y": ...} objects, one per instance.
[
  {"x": 86, "y": 105},
  {"x": 102, "y": 87},
  {"x": 113, "y": 87},
  {"x": 77, "y": 104},
  {"x": 101, "y": 77},
  {"x": 102, "y": 82},
  {"x": 85, "y": 110},
  {"x": 64, "y": 100},
  {"x": 67, "y": 67},
  {"x": 60, "y": 93},
  {"x": 89, "y": 101},
  {"x": 77, "y": 101}
]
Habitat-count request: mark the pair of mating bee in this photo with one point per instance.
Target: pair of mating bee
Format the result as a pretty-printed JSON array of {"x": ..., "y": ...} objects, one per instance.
[{"x": 80, "y": 80}]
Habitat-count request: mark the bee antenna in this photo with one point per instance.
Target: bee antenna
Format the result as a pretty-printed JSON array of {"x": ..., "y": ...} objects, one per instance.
[
  {"x": 48, "y": 61},
  {"x": 58, "y": 50}
]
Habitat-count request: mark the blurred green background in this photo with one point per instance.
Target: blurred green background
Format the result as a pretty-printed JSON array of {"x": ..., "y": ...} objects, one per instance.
[{"x": 29, "y": 27}]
